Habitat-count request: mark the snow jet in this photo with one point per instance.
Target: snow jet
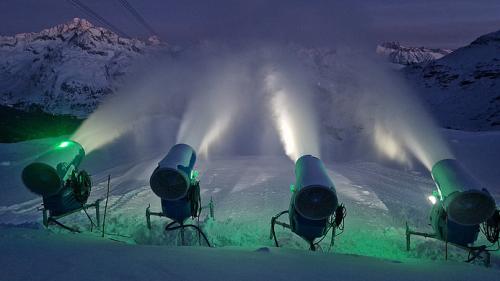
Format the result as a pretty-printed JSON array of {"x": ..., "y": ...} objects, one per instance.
[
  {"x": 190, "y": 99},
  {"x": 410, "y": 131},
  {"x": 293, "y": 114},
  {"x": 215, "y": 101},
  {"x": 142, "y": 109},
  {"x": 215, "y": 104},
  {"x": 402, "y": 127}
]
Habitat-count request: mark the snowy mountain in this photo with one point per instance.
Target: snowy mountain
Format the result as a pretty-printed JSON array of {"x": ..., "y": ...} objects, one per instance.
[
  {"x": 66, "y": 69},
  {"x": 72, "y": 67},
  {"x": 399, "y": 54},
  {"x": 462, "y": 88}
]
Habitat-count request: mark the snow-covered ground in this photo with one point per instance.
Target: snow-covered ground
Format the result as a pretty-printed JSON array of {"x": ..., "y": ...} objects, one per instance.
[
  {"x": 247, "y": 191},
  {"x": 82, "y": 257}
]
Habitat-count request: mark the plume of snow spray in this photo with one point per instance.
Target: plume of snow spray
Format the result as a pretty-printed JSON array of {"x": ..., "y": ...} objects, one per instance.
[
  {"x": 214, "y": 97},
  {"x": 402, "y": 125},
  {"x": 387, "y": 143},
  {"x": 211, "y": 110},
  {"x": 293, "y": 114},
  {"x": 137, "y": 106}
]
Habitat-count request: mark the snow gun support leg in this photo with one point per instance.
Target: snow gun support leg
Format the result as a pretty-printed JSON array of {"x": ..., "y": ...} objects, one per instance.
[
  {"x": 335, "y": 222},
  {"x": 474, "y": 252},
  {"x": 274, "y": 221},
  {"x": 172, "y": 225},
  {"x": 210, "y": 206},
  {"x": 49, "y": 219},
  {"x": 411, "y": 232},
  {"x": 149, "y": 214}
]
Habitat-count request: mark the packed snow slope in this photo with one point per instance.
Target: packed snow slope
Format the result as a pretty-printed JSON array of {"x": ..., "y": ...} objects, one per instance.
[
  {"x": 462, "y": 88},
  {"x": 247, "y": 191},
  {"x": 80, "y": 257}
]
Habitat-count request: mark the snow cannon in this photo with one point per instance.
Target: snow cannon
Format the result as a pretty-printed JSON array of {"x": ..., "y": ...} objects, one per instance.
[
  {"x": 314, "y": 207},
  {"x": 176, "y": 182},
  {"x": 461, "y": 195},
  {"x": 54, "y": 175},
  {"x": 461, "y": 209},
  {"x": 47, "y": 174}
]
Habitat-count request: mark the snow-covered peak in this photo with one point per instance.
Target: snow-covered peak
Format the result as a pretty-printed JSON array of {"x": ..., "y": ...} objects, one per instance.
[
  {"x": 68, "y": 68},
  {"x": 154, "y": 40},
  {"x": 79, "y": 32},
  {"x": 397, "y": 53},
  {"x": 76, "y": 24}
]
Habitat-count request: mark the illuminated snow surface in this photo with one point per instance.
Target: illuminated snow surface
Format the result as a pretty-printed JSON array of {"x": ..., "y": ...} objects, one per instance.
[{"x": 247, "y": 191}]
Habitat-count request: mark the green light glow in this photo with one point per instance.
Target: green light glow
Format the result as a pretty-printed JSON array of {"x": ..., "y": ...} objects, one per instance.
[
  {"x": 194, "y": 175},
  {"x": 292, "y": 188},
  {"x": 64, "y": 144}
]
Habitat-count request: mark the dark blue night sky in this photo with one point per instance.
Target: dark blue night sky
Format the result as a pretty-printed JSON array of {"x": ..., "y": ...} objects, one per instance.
[
  {"x": 431, "y": 23},
  {"x": 442, "y": 23}
]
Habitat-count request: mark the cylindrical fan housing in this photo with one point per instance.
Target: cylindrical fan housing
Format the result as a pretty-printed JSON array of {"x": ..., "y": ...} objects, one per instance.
[
  {"x": 464, "y": 199},
  {"x": 172, "y": 178},
  {"x": 448, "y": 230},
  {"x": 315, "y": 197},
  {"x": 47, "y": 174}
]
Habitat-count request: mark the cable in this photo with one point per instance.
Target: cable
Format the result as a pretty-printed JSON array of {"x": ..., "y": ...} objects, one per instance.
[
  {"x": 491, "y": 227},
  {"x": 88, "y": 11},
  {"x": 137, "y": 16},
  {"x": 340, "y": 215},
  {"x": 335, "y": 221},
  {"x": 170, "y": 228}
]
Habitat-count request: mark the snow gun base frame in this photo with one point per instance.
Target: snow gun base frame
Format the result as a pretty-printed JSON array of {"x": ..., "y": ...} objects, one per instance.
[
  {"x": 49, "y": 219},
  {"x": 474, "y": 252},
  {"x": 172, "y": 225},
  {"x": 312, "y": 245}
]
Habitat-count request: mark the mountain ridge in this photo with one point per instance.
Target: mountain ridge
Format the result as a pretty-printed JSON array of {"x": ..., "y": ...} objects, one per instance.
[
  {"x": 399, "y": 54},
  {"x": 68, "y": 68},
  {"x": 462, "y": 88}
]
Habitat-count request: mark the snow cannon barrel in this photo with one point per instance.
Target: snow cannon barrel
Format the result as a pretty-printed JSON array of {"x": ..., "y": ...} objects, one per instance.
[
  {"x": 462, "y": 196},
  {"x": 448, "y": 230},
  {"x": 314, "y": 196},
  {"x": 47, "y": 175},
  {"x": 171, "y": 180}
]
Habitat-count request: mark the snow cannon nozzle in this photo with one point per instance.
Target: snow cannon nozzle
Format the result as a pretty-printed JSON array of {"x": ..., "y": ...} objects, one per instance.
[
  {"x": 47, "y": 175},
  {"x": 315, "y": 196},
  {"x": 173, "y": 177},
  {"x": 465, "y": 200}
]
